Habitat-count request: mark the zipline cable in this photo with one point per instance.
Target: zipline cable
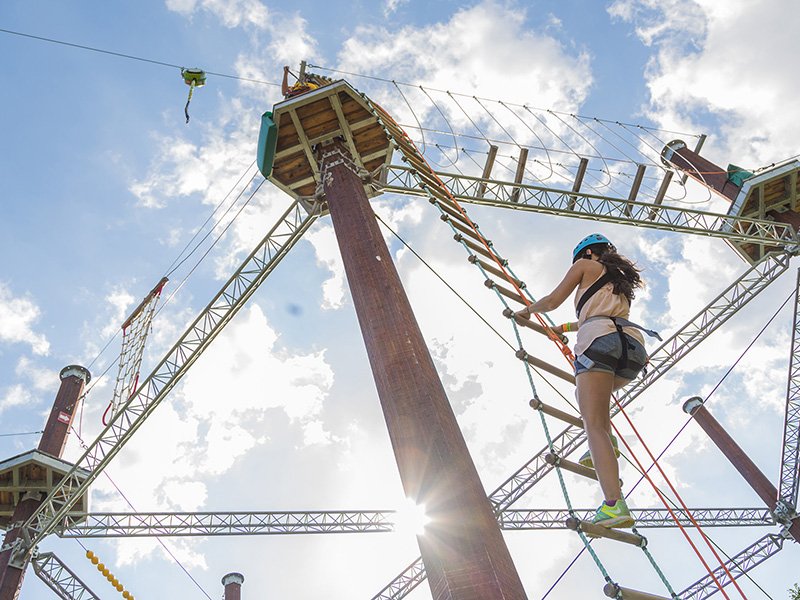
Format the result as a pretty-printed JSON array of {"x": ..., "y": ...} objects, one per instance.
[{"x": 130, "y": 56}]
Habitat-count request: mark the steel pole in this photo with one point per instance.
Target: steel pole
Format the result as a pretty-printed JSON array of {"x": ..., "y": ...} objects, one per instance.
[
  {"x": 463, "y": 549},
  {"x": 738, "y": 457},
  {"x": 53, "y": 440}
]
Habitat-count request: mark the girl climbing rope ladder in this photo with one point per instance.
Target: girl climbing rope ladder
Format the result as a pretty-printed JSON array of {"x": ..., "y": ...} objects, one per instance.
[{"x": 609, "y": 354}]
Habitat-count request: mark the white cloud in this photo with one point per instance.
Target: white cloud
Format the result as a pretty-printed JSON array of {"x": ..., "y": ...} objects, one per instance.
[
  {"x": 17, "y": 317},
  {"x": 232, "y": 13},
  {"x": 16, "y": 395},
  {"x": 390, "y": 6},
  {"x": 701, "y": 66}
]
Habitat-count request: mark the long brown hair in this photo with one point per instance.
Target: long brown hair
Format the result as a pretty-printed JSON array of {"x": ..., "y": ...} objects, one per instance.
[{"x": 624, "y": 274}]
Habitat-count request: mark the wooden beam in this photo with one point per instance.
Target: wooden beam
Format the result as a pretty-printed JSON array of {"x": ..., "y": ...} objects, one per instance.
[
  {"x": 662, "y": 191},
  {"x": 345, "y": 127},
  {"x": 593, "y": 530},
  {"x": 637, "y": 183},
  {"x": 537, "y": 404},
  {"x": 612, "y": 590},
  {"x": 568, "y": 465},
  {"x": 521, "y": 161},
  {"x": 701, "y": 140},
  {"x": 576, "y": 185},
  {"x": 304, "y": 141},
  {"x": 544, "y": 366},
  {"x": 487, "y": 169}
]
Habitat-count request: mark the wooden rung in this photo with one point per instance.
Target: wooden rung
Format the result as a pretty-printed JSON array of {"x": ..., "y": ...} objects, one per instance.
[
  {"x": 618, "y": 535},
  {"x": 568, "y": 465},
  {"x": 475, "y": 235},
  {"x": 520, "y": 173},
  {"x": 480, "y": 249},
  {"x": 495, "y": 271},
  {"x": 662, "y": 191},
  {"x": 487, "y": 169},
  {"x": 530, "y": 324},
  {"x": 637, "y": 183},
  {"x": 576, "y": 185},
  {"x": 537, "y": 404},
  {"x": 612, "y": 590},
  {"x": 513, "y": 295},
  {"x": 544, "y": 366},
  {"x": 442, "y": 197},
  {"x": 456, "y": 214}
]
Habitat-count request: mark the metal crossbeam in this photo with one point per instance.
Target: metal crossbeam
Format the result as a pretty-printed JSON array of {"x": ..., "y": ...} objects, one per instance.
[
  {"x": 724, "y": 306},
  {"x": 517, "y": 519},
  {"x": 59, "y": 578},
  {"x": 242, "y": 284},
  {"x": 790, "y": 467},
  {"x": 236, "y": 523},
  {"x": 553, "y": 201},
  {"x": 738, "y": 565},
  {"x": 106, "y": 525}
]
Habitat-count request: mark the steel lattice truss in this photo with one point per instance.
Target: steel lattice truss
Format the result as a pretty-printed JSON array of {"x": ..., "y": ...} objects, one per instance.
[
  {"x": 281, "y": 238},
  {"x": 738, "y": 565},
  {"x": 60, "y": 578},
  {"x": 105, "y": 525},
  {"x": 790, "y": 467},
  {"x": 490, "y": 192}
]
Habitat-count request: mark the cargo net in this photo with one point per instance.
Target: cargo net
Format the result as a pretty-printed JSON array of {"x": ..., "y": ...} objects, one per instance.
[{"x": 134, "y": 335}]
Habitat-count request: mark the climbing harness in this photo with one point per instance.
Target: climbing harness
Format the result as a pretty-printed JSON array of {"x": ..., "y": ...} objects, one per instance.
[{"x": 193, "y": 78}]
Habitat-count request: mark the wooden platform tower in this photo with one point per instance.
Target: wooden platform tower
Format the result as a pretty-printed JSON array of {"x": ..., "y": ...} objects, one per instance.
[{"x": 325, "y": 147}]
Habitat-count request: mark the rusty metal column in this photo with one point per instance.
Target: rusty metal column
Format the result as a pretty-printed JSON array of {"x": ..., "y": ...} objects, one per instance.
[
  {"x": 464, "y": 553},
  {"x": 738, "y": 458},
  {"x": 233, "y": 586},
  {"x": 54, "y": 438}
]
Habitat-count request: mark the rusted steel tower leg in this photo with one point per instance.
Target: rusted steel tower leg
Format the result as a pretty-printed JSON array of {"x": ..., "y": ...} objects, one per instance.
[
  {"x": 54, "y": 438},
  {"x": 739, "y": 459},
  {"x": 462, "y": 548}
]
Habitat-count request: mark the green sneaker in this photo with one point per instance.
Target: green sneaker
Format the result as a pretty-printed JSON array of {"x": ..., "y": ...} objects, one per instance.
[
  {"x": 586, "y": 459},
  {"x": 617, "y": 516}
]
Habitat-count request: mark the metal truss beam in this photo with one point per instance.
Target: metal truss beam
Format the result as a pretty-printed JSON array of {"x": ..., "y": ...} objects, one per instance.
[
  {"x": 59, "y": 578},
  {"x": 106, "y": 525},
  {"x": 738, "y": 565},
  {"x": 790, "y": 468},
  {"x": 517, "y": 519},
  {"x": 99, "y": 525},
  {"x": 722, "y": 308},
  {"x": 553, "y": 201},
  {"x": 209, "y": 323}
]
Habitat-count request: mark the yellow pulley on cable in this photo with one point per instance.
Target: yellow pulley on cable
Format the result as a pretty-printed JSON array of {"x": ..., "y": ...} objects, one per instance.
[{"x": 193, "y": 78}]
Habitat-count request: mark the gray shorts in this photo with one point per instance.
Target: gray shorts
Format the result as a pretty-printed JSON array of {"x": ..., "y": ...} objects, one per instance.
[{"x": 605, "y": 354}]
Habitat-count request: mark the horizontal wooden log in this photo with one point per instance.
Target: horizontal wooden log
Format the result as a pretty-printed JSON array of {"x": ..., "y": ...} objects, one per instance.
[
  {"x": 612, "y": 590},
  {"x": 568, "y": 465},
  {"x": 544, "y": 366},
  {"x": 496, "y": 271},
  {"x": 480, "y": 249},
  {"x": 618, "y": 535},
  {"x": 531, "y": 324},
  {"x": 537, "y": 404},
  {"x": 510, "y": 294}
]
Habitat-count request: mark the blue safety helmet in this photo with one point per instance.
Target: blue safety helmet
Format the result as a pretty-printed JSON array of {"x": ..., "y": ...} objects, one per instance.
[{"x": 589, "y": 240}]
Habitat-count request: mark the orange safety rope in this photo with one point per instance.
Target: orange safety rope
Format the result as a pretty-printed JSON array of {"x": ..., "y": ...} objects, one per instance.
[{"x": 565, "y": 350}]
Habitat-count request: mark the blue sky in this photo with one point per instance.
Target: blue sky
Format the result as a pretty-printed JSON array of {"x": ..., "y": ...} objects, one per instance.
[{"x": 102, "y": 184}]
